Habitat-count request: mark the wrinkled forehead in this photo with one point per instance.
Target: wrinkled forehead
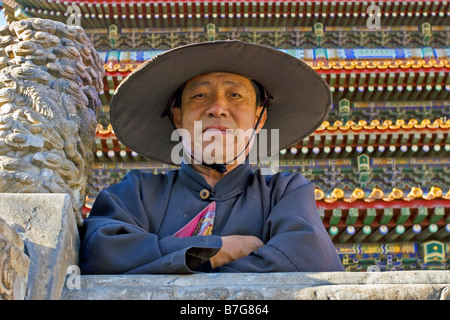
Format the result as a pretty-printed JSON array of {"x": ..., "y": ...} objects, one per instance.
[
  {"x": 255, "y": 89},
  {"x": 223, "y": 78}
]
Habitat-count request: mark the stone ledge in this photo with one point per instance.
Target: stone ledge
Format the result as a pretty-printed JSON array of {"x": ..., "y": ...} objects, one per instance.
[
  {"x": 397, "y": 285},
  {"x": 14, "y": 264},
  {"x": 46, "y": 224}
]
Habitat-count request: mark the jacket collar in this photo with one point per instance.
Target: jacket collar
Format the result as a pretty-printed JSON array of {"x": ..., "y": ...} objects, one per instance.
[{"x": 231, "y": 185}]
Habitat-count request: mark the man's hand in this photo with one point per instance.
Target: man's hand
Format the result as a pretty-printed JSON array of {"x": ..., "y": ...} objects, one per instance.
[{"x": 233, "y": 248}]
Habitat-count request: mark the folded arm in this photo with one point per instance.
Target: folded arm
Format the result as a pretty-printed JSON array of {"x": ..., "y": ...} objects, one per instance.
[
  {"x": 294, "y": 235},
  {"x": 118, "y": 237}
]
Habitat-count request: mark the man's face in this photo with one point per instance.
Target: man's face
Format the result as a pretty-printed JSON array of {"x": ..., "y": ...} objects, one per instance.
[{"x": 223, "y": 103}]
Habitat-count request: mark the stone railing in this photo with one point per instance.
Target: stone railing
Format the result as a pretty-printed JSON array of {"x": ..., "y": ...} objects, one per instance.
[
  {"x": 46, "y": 226},
  {"x": 394, "y": 285}
]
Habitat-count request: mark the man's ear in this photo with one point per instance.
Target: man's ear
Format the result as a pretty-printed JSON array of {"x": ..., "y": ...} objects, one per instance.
[
  {"x": 263, "y": 117},
  {"x": 176, "y": 116}
]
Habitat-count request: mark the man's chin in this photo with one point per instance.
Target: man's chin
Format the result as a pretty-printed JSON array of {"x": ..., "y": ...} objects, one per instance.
[
  {"x": 225, "y": 160},
  {"x": 211, "y": 153}
]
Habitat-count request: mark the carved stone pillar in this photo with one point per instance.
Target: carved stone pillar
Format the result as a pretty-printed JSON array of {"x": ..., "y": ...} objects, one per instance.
[{"x": 50, "y": 76}]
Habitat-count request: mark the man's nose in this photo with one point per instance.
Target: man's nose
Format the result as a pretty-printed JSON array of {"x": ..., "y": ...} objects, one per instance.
[{"x": 218, "y": 107}]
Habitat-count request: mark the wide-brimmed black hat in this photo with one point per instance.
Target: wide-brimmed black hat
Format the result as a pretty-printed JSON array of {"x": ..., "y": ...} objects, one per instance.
[{"x": 300, "y": 98}]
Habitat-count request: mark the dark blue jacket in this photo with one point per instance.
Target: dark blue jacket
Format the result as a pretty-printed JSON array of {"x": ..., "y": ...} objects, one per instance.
[{"x": 131, "y": 225}]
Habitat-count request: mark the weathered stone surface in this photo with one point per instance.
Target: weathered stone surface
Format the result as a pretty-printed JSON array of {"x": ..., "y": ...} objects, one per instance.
[
  {"x": 49, "y": 83},
  {"x": 14, "y": 264},
  {"x": 398, "y": 285},
  {"x": 47, "y": 225}
]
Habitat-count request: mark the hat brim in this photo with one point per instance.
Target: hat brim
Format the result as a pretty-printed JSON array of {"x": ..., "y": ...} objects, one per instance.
[{"x": 300, "y": 102}]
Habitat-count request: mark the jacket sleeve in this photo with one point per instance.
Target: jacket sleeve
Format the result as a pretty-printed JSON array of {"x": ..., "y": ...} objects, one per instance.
[
  {"x": 119, "y": 236},
  {"x": 294, "y": 235}
]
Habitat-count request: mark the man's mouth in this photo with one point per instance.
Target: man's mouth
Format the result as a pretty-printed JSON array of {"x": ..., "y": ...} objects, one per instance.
[{"x": 215, "y": 128}]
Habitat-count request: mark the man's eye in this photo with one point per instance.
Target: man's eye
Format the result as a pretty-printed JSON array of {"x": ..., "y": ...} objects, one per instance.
[
  {"x": 236, "y": 95},
  {"x": 199, "y": 95}
]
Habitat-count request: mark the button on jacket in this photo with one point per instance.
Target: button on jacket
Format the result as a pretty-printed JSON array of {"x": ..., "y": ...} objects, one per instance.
[{"x": 132, "y": 224}]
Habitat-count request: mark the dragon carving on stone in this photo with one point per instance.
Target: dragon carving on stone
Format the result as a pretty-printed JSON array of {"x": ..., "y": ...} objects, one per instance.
[{"x": 50, "y": 78}]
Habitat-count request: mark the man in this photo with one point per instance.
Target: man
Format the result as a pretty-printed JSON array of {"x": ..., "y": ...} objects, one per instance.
[{"x": 214, "y": 214}]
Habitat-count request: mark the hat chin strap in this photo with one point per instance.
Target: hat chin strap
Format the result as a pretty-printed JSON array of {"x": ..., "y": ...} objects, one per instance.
[{"x": 221, "y": 167}]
